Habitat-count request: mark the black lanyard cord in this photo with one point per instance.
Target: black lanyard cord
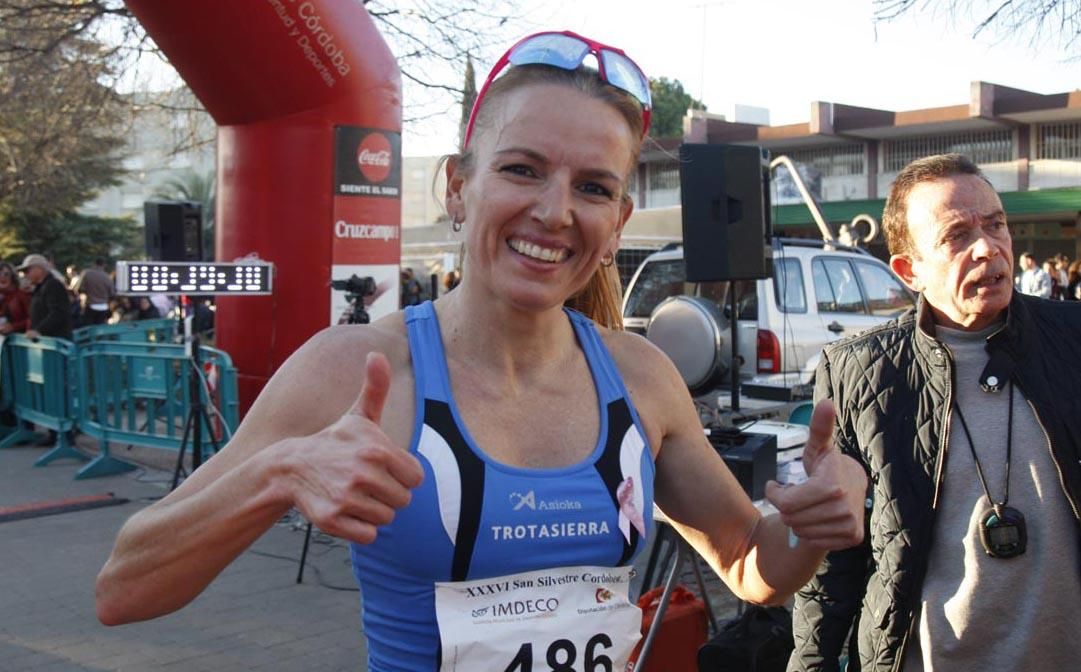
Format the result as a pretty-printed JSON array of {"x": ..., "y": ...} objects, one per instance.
[{"x": 1009, "y": 449}]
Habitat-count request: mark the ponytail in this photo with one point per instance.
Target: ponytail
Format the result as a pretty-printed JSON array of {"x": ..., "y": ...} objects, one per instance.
[{"x": 601, "y": 300}]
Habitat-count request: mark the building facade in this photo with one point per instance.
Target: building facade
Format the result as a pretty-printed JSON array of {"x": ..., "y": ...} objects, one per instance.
[{"x": 1027, "y": 144}]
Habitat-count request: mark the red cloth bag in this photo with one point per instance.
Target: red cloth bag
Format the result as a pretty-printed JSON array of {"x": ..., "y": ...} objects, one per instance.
[{"x": 683, "y": 630}]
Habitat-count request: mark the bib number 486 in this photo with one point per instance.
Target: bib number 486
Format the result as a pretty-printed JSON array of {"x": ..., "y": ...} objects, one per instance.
[{"x": 562, "y": 655}]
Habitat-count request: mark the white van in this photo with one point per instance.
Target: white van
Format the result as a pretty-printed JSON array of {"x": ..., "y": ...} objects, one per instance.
[{"x": 819, "y": 292}]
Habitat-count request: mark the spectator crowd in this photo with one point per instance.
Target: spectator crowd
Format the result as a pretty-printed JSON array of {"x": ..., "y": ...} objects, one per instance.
[
  {"x": 38, "y": 300},
  {"x": 1056, "y": 278}
]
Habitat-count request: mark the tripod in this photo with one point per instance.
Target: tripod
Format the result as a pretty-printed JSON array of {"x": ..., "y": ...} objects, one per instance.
[
  {"x": 357, "y": 315},
  {"x": 193, "y": 426}
]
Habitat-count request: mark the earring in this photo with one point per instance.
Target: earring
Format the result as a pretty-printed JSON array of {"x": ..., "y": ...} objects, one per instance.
[
  {"x": 608, "y": 259},
  {"x": 456, "y": 225}
]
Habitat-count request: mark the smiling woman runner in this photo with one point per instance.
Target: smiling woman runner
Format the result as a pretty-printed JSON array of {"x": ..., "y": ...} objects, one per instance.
[{"x": 497, "y": 470}]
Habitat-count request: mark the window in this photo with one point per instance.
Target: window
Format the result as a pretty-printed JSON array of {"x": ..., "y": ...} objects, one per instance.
[
  {"x": 886, "y": 297},
  {"x": 662, "y": 279},
  {"x": 835, "y": 161},
  {"x": 663, "y": 175},
  {"x": 982, "y": 147},
  {"x": 836, "y": 288},
  {"x": 788, "y": 286},
  {"x": 746, "y": 297},
  {"x": 628, "y": 259},
  {"x": 823, "y": 291},
  {"x": 658, "y": 281},
  {"x": 1058, "y": 141}
]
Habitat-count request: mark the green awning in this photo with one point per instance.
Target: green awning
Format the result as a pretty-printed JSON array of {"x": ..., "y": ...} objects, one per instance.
[{"x": 1064, "y": 202}]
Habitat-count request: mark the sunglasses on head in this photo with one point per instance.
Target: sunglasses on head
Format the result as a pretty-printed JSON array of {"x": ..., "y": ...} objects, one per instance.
[{"x": 568, "y": 50}]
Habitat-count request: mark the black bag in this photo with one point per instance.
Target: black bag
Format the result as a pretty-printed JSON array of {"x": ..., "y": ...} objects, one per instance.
[{"x": 760, "y": 640}]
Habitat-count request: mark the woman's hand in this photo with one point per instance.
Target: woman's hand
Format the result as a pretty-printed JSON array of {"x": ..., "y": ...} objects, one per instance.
[
  {"x": 825, "y": 511},
  {"x": 349, "y": 478}
]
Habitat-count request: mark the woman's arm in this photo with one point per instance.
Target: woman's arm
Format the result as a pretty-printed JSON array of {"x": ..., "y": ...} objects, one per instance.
[
  {"x": 705, "y": 503},
  {"x": 308, "y": 441}
]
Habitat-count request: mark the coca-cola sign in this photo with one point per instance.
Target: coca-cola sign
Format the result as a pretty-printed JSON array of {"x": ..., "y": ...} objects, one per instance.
[
  {"x": 367, "y": 162},
  {"x": 373, "y": 157},
  {"x": 369, "y": 158}
]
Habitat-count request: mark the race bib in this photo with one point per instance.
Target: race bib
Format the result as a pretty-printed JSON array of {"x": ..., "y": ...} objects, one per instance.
[{"x": 569, "y": 619}]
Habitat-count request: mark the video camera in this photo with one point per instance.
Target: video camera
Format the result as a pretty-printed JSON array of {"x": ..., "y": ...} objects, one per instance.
[
  {"x": 356, "y": 285},
  {"x": 356, "y": 288}
]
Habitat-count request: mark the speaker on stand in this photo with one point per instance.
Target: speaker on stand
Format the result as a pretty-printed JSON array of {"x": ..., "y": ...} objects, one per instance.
[
  {"x": 724, "y": 192},
  {"x": 174, "y": 230}
]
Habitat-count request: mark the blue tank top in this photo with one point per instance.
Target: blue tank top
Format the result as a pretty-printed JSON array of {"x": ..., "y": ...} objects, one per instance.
[{"x": 475, "y": 518}]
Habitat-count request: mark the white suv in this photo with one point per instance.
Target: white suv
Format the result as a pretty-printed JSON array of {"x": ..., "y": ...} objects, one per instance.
[{"x": 819, "y": 293}]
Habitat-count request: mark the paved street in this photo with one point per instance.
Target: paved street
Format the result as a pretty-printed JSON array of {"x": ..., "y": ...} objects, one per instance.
[{"x": 254, "y": 617}]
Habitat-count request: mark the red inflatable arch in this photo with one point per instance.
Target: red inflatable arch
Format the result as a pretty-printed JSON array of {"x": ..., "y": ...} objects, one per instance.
[{"x": 307, "y": 98}]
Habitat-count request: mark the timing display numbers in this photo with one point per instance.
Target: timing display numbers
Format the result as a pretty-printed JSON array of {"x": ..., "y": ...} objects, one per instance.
[{"x": 186, "y": 277}]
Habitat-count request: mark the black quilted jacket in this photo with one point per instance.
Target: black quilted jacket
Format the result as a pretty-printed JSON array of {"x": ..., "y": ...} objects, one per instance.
[{"x": 892, "y": 389}]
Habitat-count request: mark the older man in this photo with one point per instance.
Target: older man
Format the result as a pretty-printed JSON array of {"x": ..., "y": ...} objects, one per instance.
[
  {"x": 959, "y": 412},
  {"x": 50, "y": 308}
]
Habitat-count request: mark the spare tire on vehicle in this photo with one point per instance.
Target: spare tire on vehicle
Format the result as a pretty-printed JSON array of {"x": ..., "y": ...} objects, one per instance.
[{"x": 692, "y": 331}]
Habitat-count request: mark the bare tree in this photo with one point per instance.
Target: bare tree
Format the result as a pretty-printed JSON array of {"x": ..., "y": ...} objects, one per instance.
[
  {"x": 61, "y": 123},
  {"x": 434, "y": 41},
  {"x": 1041, "y": 22},
  {"x": 431, "y": 39}
]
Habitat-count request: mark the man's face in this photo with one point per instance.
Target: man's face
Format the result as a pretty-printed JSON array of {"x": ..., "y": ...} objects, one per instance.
[
  {"x": 962, "y": 256},
  {"x": 1028, "y": 263},
  {"x": 35, "y": 274}
]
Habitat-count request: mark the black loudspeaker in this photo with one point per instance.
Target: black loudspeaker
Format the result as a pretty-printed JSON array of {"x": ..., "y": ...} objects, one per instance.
[
  {"x": 752, "y": 458},
  {"x": 726, "y": 221},
  {"x": 174, "y": 230}
]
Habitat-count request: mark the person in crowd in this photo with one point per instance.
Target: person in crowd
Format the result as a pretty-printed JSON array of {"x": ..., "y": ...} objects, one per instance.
[
  {"x": 97, "y": 287},
  {"x": 451, "y": 280},
  {"x": 124, "y": 310},
  {"x": 1073, "y": 281},
  {"x": 145, "y": 309},
  {"x": 412, "y": 289},
  {"x": 14, "y": 302},
  {"x": 1034, "y": 280},
  {"x": 202, "y": 317},
  {"x": 1052, "y": 273},
  {"x": 971, "y": 558},
  {"x": 66, "y": 278},
  {"x": 1062, "y": 265},
  {"x": 507, "y": 439},
  {"x": 164, "y": 305},
  {"x": 50, "y": 309}
]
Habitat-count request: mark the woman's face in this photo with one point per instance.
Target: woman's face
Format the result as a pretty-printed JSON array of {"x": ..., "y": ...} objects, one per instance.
[
  {"x": 543, "y": 202},
  {"x": 7, "y": 277}
]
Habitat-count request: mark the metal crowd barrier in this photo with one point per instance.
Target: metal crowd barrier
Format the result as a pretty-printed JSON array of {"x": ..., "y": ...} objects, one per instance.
[
  {"x": 116, "y": 383},
  {"x": 138, "y": 393},
  {"x": 158, "y": 330},
  {"x": 44, "y": 391}
]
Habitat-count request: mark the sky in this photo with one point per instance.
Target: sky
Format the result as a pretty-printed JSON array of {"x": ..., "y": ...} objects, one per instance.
[{"x": 784, "y": 54}]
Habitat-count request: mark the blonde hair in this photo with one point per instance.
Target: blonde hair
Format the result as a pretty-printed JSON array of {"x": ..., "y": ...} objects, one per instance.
[{"x": 601, "y": 300}]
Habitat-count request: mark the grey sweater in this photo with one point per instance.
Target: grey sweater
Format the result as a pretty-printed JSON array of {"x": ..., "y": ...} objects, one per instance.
[{"x": 981, "y": 613}]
